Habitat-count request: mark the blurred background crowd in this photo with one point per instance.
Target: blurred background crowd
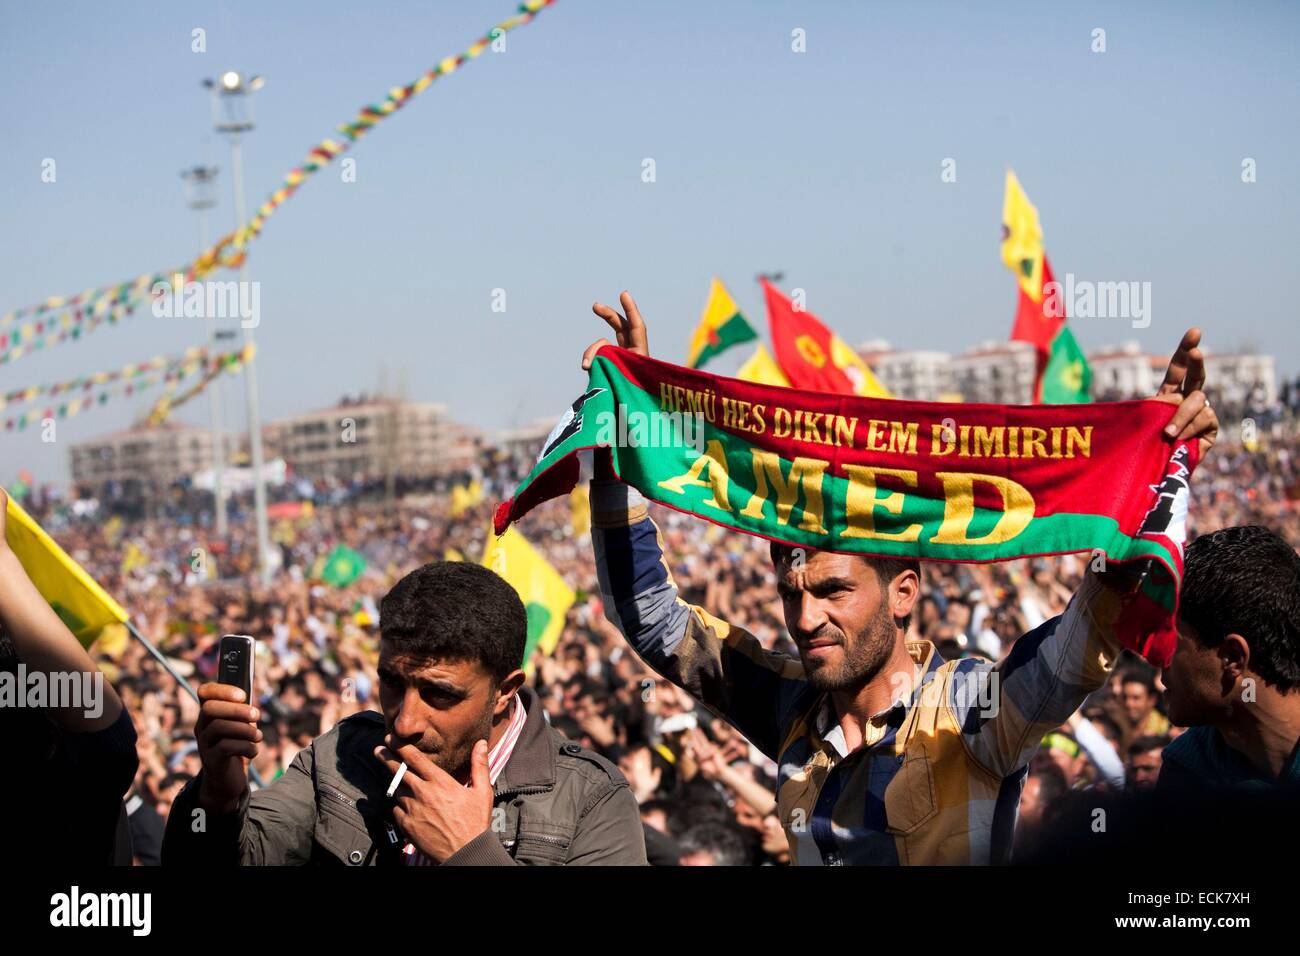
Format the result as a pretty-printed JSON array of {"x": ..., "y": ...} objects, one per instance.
[{"x": 706, "y": 795}]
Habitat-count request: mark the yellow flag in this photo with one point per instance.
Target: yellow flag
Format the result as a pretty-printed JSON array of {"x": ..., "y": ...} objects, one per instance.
[
  {"x": 83, "y": 605},
  {"x": 464, "y": 497},
  {"x": 459, "y": 501},
  {"x": 1022, "y": 239},
  {"x": 546, "y": 597},
  {"x": 113, "y": 640},
  {"x": 762, "y": 369},
  {"x": 580, "y": 509},
  {"x": 134, "y": 558},
  {"x": 859, "y": 372},
  {"x": 113, "y": 529}
]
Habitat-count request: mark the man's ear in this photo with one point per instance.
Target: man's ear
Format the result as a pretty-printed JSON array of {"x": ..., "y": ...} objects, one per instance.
[
  {"x": 506, "y": 690},
  {"x": 1234, "y": 658},
  {"x": 903, "y": 593}
]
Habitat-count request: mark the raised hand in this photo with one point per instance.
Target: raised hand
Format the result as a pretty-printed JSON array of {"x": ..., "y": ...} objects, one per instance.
[
  {"x": 436, "y": 812},
  {"x": 1182, "y": 386},
  {"x": 227, "y": 735},
  {"x": 628, "y": 326}
]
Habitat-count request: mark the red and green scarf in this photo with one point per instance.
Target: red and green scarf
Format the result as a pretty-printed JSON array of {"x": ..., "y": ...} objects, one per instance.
[{"x": 927, "y": 480}]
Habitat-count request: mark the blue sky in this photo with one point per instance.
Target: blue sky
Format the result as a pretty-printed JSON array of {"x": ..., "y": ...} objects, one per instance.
[{"x": 523, "y": 172}]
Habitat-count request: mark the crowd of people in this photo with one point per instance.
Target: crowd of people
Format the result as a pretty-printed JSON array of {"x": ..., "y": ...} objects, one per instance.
[{"x": 706, "y": 795}]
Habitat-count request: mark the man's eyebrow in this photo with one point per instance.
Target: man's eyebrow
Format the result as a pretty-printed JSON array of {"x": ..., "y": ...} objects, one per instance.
[
  {"x": 835, "y": 582},
  {"x": 440, "y": 684},
  {"x": 436, "y": 683},
  {"x": 819, "y": 586}
]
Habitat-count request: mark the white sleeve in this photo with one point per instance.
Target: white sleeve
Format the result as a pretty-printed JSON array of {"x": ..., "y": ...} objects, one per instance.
[{"x": 1100, "y": 751}]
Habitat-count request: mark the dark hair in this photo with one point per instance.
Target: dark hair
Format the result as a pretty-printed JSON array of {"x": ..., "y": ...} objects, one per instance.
[
  {"x": 719, "y": 839},
  {"x": 270, "y": 733},
  {"x": 1145, "y": 744},
  {"x": 174, "y": 777},
  {"x": 1133, "y": 675},
  {"x": 886, "y": 568},
  {"x": 302, "y": 723},
  {"x": 565, "y": 726},
  {"x": 657, "y": 805},
  {"x": 1246, "y": 581},
  {"x": 667, "y": 771},
  {"x": 456, "y": 611},
  {"x": 697, "y": 804}
]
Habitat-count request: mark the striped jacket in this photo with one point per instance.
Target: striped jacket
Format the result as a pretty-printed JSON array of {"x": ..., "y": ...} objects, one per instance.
[{"x": 942, "y": 786}]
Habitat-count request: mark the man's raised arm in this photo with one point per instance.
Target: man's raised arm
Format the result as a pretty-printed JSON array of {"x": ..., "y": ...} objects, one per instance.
[
  {"x": 721, "y": 665},
  {"x": 215, "y": 820},
  {"x": 1052, "y": 669}
]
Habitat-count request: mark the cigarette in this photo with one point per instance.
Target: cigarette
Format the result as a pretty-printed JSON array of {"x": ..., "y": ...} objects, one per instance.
[{"x": 397, "y": 779}]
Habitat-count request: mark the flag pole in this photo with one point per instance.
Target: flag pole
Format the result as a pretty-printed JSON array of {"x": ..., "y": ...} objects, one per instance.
[{"x": 161, "y": 658}]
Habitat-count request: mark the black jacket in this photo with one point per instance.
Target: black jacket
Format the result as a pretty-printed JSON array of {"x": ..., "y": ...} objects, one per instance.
[{"x": 62, "y": 808}]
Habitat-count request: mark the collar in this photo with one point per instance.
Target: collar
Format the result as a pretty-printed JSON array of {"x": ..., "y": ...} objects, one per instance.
[
  {"x": 499, "y": 755},
  {"x": 532, "y": 760},
  {"x": 1224, "y": 763},
  {"x": 826, "y": 721}
]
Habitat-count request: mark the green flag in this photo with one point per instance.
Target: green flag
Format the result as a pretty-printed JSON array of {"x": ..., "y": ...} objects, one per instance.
[
  {"x": 721, "y": 326},
  {"x": 342, "y": 567},
  {"x": 1067, "y": 378}
]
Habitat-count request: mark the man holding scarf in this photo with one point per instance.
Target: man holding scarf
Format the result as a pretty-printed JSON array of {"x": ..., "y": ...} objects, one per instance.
[{"x": 886, "y": 754}]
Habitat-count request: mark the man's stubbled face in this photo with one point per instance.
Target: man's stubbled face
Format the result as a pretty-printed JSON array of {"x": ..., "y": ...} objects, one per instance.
[
  {"x": 1195, "y": 689},
  {"x": 837, "y": 612},
  {"x": 441, "y": 707}
]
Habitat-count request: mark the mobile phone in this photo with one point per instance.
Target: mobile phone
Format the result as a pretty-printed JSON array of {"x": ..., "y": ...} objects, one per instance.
[{"x": 235, "y": 663}]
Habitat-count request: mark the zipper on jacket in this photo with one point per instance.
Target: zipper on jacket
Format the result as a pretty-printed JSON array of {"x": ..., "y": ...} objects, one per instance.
[
  {"x": 554, "y": 841},
  {"x": 518, "y": 791},
  {"x": 338, "y": 795}
]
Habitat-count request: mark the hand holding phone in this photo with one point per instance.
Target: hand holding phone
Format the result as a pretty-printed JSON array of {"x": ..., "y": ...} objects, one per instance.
[
  {"x": 226, "y": 730},
  {"x": 235, "y": 663}
]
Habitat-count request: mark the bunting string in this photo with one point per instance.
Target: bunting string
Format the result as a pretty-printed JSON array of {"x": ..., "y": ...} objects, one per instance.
[
  {"x": 232, "y": 362},
  {"x": 67, "y": 318},
  {"x": 170, "y": 372},
  {"x": 86, "y": 383}
]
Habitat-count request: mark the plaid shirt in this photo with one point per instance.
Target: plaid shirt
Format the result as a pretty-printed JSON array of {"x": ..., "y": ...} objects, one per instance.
[{"x": 940, "y": 785}]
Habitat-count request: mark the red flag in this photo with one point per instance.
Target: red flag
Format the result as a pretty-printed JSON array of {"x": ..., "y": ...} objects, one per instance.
[
  {"x": 814, "y": 357},
  {"x": 1039, "y": 322}
]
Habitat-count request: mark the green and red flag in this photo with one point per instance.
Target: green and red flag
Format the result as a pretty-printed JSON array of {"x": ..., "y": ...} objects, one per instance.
[
  {"x": 925, "y": 480},
  {"x": 721, "y": 326},
  {"x": 1039, "y": 317}
]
